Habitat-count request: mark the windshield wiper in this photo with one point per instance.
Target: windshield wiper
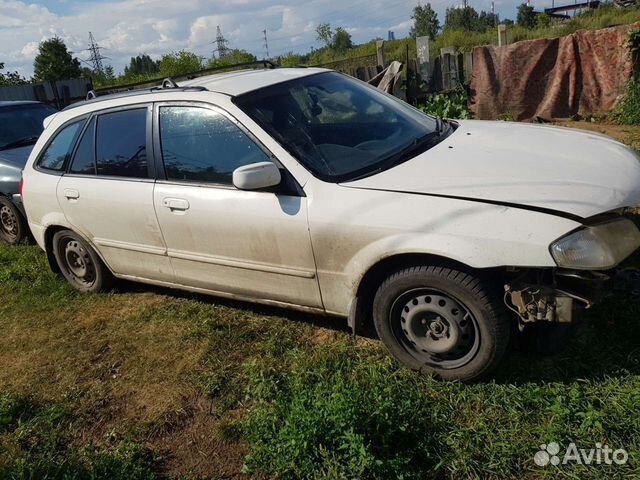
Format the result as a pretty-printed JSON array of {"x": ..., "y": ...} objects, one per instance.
[
  {"x": 417, "y": 145},
  {"x": 21, "y": 142}
]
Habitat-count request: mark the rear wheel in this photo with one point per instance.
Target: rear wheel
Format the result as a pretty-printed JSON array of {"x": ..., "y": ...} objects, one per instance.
[
  {"x": 441, "y": 321},
  {"x": 13, "y": 227},
  {"x": 79, "y": 263}
]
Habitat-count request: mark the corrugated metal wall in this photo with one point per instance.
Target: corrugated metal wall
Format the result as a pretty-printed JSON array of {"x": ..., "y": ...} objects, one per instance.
[{"x": 66, "y": 92}]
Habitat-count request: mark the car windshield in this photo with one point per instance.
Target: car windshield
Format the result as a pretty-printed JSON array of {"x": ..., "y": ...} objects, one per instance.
[
  {"x": 340, "y": 128},
  {"x": 21, "y": 125}
]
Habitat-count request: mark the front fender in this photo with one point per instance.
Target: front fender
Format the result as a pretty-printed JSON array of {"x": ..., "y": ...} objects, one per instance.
[{"x": 352, "y": 234}]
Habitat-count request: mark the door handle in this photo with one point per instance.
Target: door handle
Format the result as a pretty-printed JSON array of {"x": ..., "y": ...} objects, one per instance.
[
  {"x": 71, "y": 194},
  {"x": 176, "y": 204}
]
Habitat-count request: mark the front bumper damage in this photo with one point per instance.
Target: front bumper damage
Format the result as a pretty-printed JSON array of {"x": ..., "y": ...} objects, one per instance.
[{"x": 558, "y": 295}]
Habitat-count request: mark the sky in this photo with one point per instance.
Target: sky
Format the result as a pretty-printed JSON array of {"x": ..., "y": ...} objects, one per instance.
[{"x": 128, "y": 28}]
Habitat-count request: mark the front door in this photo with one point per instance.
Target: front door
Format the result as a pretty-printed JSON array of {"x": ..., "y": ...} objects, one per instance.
[{"x": 249, "y": 243}]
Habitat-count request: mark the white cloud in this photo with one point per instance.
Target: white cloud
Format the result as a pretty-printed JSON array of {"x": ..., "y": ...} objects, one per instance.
[{"x": 30, "y": 50}]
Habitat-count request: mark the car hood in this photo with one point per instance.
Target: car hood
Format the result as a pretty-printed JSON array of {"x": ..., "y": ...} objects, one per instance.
[
  {"x": 16, "y": 157},
  {"x": 558, "y": 169}
]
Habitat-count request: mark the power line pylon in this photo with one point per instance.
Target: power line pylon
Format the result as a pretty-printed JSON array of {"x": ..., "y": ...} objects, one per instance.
[
  {"x": 221, "y": 44},
  {"x": 266, "y": 45},
  {"x": 95, "y": 57}
]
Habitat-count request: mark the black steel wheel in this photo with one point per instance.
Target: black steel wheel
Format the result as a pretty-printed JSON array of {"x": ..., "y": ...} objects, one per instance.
[
  {"x": 13, "y": 228},
  {"x": 79, "y": 263},
  {"x": 437, "y": 329},
  {"x": 441, "y": 321}
]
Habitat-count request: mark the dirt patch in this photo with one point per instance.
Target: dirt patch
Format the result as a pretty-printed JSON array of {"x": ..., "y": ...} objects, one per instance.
[
  {"x": 195, "y": 448},
  {"x": 627, "y": 134}
]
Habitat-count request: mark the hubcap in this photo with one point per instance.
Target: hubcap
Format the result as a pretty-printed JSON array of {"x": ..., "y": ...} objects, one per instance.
[
  {"x": 78, "y": 263},
  {"x": 8, "y": 221},
  {"x": 435, "y": 328}
]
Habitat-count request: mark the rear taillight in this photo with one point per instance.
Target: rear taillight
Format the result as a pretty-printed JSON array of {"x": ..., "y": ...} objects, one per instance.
[{"x": 21, "y": 186}]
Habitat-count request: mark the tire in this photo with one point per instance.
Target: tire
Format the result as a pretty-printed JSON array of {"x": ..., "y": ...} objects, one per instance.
[
  {"x": 442, "y": 322},
  {"x": 79, "y": 263},
  {"x": 13, "y": 226}
]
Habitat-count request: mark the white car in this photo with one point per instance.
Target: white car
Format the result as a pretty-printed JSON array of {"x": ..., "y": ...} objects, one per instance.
[{"x": 309, "y": 189}]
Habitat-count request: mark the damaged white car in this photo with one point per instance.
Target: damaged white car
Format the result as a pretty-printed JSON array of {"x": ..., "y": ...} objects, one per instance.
[{"x": 309, "y": 189}]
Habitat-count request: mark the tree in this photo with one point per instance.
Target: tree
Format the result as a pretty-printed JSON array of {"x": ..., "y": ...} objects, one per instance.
[
  {"x": 54, "y": 62},
  {"x": 324, "y": 33},
  {"x": 462, "y": 18},
  {"x": 234, "y": 56},
  {"x": 526, "y": 16},
  {"x": 178, "y": 63},
  {"x": 425, "y": 22},
  {"x": 141, "y": 65},
  {"x": 10, "y": 78},
  {"x": 487, "y": 20},
  {"x": 341, "y": 41}
]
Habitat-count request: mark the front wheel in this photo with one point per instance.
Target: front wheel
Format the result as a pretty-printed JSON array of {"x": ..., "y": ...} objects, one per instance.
[
  {"x": 441, "y": 321},
  {"x": 79, "y": 263},
  {"x": 13, "y": 227}
]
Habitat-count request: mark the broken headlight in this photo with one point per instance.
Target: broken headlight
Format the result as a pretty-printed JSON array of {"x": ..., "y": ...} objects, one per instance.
[{"x": 597, "y": 247}]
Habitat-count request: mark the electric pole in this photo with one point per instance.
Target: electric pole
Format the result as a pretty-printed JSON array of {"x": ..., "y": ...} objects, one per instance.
[
  {"x": 266, "y": 45},
  {"x": 221, "y": 44},
  {"x": 95, "y": 57}
]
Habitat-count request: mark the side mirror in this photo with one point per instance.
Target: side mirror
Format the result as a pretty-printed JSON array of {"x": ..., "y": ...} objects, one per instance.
[{"x": 256, "y": 176}]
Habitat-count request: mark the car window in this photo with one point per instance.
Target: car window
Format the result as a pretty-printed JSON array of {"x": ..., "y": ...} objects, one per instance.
[
  {"x": 340, "y": 128},
  {"x": 202, "y": 145},
  {"x": 59, "y": 149},
  {"x": 84, "y": 160},
  {"x": 21, "y": 125},
  {"x": 121, "y": 144}
]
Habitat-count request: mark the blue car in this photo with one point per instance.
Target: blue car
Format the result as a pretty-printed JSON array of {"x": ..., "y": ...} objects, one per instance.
[{"x": 21, "y": 123}]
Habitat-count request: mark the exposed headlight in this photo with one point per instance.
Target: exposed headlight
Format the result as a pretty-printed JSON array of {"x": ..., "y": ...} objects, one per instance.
[{"x": 597, "y": 247}]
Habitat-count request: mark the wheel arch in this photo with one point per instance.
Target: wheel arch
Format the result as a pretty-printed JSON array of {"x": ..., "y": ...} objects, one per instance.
[
  {"x": 362, "y": 302},
  {"x": 49, "y": 233}
]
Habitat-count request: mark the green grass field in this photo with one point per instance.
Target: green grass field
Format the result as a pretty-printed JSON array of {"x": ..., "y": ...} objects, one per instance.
[{"x": 146, "y": 383}]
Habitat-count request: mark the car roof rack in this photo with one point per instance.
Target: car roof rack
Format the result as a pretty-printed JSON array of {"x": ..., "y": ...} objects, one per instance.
[{"x": 167, "y": 84}]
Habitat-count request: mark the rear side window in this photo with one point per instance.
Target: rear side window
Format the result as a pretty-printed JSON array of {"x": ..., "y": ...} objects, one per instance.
[
  {"x": 121, "y": 144},
  {"x": 202, "y": 145},
  {"x": 59, "y": 149},
  {"x": 84, "y": 160}
]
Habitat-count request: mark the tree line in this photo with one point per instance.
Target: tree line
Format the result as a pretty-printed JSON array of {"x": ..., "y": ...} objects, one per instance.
[{"x": 55, "y": 62}]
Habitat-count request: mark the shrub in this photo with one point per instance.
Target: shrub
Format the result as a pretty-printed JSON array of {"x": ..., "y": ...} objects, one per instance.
[
  {"x": 628, "y": 110},
  {"x": 445, "y": 106}
]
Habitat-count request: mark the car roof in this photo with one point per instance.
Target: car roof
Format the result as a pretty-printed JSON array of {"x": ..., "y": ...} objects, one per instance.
[
  {"x": 244, "y": 81},
  {"x": 16, "y": 103},
  {"x": 229, "y": 83}
]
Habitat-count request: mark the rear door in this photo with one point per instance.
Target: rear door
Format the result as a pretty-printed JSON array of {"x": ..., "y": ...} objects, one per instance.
[
  {"x": 107, "y": 193},
  {"x": 249, "y": 243}
]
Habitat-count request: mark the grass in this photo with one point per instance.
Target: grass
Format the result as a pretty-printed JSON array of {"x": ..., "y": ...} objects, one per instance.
[{"x": 146, "y": 383}]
